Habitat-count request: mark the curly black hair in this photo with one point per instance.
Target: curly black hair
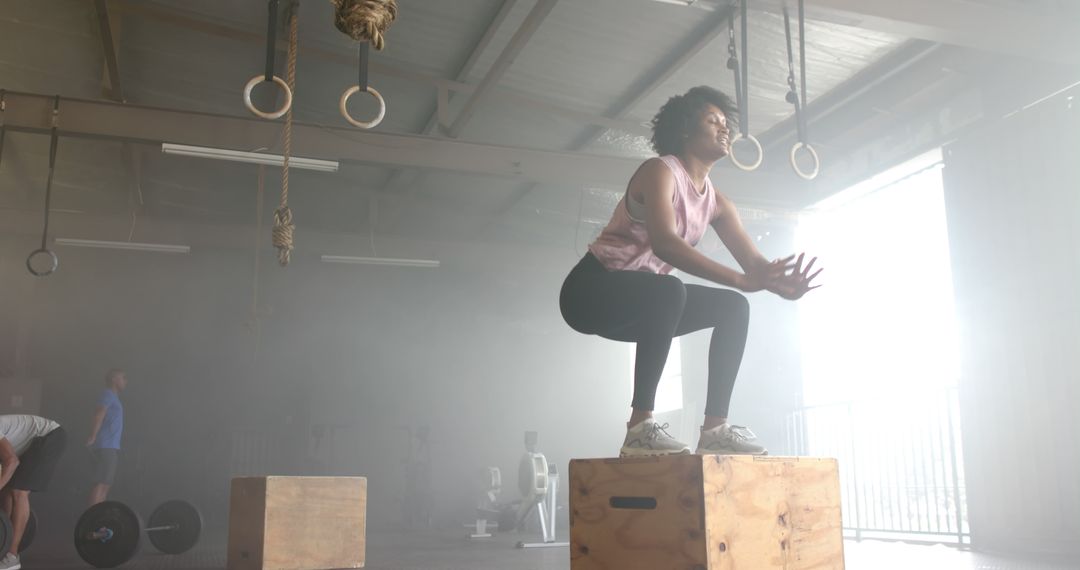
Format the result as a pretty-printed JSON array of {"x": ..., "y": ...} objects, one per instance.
[{"x": 671, "y": 125}]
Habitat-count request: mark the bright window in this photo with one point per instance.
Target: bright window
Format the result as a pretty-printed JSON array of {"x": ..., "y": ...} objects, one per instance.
[{"x": 883, "y": 321}]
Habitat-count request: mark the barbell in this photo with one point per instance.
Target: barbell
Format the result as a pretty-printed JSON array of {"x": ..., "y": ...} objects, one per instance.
[
  {"x": 108, "y": 534},
  {"x": 7, "y": 532}
]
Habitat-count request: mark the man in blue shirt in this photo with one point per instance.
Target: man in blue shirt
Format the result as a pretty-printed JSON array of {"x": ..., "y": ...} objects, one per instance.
[{"x": 105, "y": 434}]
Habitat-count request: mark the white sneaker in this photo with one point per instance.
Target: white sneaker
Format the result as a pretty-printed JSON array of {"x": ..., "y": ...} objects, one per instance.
[
  {"x": 10, "y": 562},
  {"x": 650, "y": 438},
  {"x": 727, "y": 439}
]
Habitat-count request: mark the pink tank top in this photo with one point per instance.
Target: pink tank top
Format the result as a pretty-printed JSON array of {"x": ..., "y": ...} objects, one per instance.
[{"x": 624, "y": 243}]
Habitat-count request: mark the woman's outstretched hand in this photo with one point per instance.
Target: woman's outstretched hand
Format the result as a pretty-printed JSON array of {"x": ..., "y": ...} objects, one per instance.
[
  {"x": 796, "y": 283},
  {"x": 767, "y": 276}
]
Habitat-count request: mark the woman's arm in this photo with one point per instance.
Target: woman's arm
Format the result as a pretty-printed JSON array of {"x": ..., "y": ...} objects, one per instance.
[
  {"x": 655, "y": 182},
  {"x": 729, "y": 227},
  {"x": 775, "y": 276},
  {"x": 759, "y": 272}
]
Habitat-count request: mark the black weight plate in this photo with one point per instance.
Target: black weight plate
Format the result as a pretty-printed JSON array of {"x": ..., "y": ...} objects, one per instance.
[
  {"x": 112, "y": 552},
  {"x": 187, "y": 520},
  {"x": 29, "y": 533},
  {"x": 6, "y": 533}
]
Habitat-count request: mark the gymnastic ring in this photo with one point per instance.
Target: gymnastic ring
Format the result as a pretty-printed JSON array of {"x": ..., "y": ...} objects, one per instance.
[
  {"x": 363, "y": 125},
  {"x": 251, "y": 106},
  {"x": 813, "y": 154},
  {"x": 30, "y": 266},
  {"x": 757, "y": 145}
]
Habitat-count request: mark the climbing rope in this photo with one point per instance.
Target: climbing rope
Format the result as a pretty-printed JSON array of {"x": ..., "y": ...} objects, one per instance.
[
  {"x": 365, "y": 20},
  {"x": 283, "y": 220}
]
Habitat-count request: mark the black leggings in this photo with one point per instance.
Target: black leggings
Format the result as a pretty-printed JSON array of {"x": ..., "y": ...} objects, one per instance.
[{"x": 651, "y": 309}]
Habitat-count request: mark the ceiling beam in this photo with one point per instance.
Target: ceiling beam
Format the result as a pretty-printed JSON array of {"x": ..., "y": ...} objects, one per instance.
[
  {"x": 996, "y": 28},
  {"x": 477, "y": 51},
  {"x": 395, "y": 180},
  {"x": 113, "y": 87},
  {"x": 214, "y": 236},
  {"x": 107, "y": 120},
  {"x": 502, "y": 63},
  {"x": 108, "y": 29}
]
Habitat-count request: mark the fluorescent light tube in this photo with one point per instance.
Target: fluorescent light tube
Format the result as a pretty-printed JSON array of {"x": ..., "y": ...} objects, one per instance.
[
  {"x": 380, "y": 261},
  {"x": 129, "y": 245},
  {"x": 249, "y": 157}
]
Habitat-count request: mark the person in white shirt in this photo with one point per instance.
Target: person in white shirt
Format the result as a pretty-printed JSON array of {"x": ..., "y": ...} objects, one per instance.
[{"x": 30, "y": 448}]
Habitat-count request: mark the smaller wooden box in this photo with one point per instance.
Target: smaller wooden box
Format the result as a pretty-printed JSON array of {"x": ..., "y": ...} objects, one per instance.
[
  {"x": 705, "y": 512},
  {"x": 297, "y": 523}
]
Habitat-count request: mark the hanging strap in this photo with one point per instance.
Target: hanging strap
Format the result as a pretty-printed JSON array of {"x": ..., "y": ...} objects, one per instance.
[
  {"x": 54, "y": 139},
  {"x": 802, "y": 55},
  {"x": 742, "y": 89},
  {"x": 53, "y": 142},
  {"x": 3, "y": 107},
  {"x": 362, "y": 86},
  {"x": 362, "y": 82},
  {"x": 268, "y": 75},
  {"x": 793, "y": 91},
  {"x": 271, "y": 39},
  {"x": 793, "y": 95},
  {"x": 739, "y": 71},
  {"x": 282, "y": 235},
  {"x": 745, "y": 54}
]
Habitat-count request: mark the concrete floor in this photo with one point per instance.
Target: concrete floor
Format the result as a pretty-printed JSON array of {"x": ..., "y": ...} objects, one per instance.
[{"x": 450, "y": 550}]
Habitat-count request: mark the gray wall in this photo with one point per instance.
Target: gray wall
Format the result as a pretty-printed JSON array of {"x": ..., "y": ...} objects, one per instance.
[{"x": 1013, "y": 204}]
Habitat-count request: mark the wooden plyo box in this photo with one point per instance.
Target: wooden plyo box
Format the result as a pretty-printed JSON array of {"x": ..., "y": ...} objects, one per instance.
[
  {"x": 705, "y": 512},
  {"x": 297, "y": 523}
]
